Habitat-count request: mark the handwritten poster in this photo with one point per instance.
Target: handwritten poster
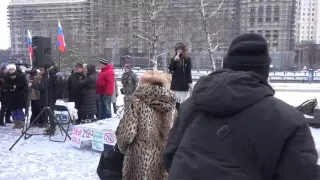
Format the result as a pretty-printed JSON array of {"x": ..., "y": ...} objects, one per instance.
[
  {"x": 110, "y": 138},
  {"x": 98, "y": 140},
  {"x": 76, "y": 136}
]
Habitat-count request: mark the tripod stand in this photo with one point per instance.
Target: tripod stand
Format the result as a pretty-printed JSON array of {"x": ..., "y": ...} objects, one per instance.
[{"x": 46, "y": 112}]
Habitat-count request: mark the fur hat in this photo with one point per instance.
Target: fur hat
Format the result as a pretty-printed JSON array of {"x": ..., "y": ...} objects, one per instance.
[
  {"x": 154, "y": 78},
  {"x": 79, "y": 65},
  {"x": 11, "y": 66}
]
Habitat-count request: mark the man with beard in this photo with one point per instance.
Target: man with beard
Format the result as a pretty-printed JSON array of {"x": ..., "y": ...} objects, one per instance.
[
  {"x": 232, "y": 127},
  {"x": 74, "y": 88},
  {"x": 15, "y": 86}
]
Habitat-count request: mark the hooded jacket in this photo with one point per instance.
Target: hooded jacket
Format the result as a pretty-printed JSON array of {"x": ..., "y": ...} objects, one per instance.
[
  {"x": 88, "y": 92},
  {"x": 273, "y": 137}
]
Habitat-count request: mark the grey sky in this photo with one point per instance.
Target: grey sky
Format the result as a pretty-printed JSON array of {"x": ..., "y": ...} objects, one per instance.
[{"x": 4, "y": 30}]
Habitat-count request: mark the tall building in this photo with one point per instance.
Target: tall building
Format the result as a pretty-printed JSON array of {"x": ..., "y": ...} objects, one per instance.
[
  {"x": 308, "y": 21},
  {"x": 121, "y": 28},
  {"x": 41, "y": 18},
  {"x": 274, "y": 20}
]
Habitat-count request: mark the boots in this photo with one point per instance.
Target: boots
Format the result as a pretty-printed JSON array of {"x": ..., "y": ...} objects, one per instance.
[
  {"x": 20, "y": 124},
  {"x": 17, "y": 124}
]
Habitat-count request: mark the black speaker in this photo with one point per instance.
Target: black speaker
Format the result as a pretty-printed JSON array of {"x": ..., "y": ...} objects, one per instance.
[{"x": 42, "y": 56}]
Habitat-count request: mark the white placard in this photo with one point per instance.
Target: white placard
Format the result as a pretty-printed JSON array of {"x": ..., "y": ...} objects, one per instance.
[
  {"x": 76, "y": 136},
  {"x": 98, "y": 140},
  {"x": 110, "y": 138}
]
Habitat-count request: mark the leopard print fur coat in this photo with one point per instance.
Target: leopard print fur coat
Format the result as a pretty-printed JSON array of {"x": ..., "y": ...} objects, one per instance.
[{"x": 136, "y": 133}]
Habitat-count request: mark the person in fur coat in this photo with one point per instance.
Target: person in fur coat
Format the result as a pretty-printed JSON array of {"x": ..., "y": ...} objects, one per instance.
[{"x": 142, "y": 132}]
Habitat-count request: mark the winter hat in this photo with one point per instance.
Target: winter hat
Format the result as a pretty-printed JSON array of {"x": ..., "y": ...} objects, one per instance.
[
  {"x": 3, "y": 66},
  {"x": 248, "y": 52},
  {"x": 128, "y": 66},
  {"x": 104, "y": 61},
  {"x": 11, "y": 66},
  {"x": 59, "y": 74},
  {"x": 79, "y": 65}
]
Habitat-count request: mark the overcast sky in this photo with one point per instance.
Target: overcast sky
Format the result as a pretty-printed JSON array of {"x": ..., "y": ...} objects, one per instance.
[{"x": 4, "y": 30}]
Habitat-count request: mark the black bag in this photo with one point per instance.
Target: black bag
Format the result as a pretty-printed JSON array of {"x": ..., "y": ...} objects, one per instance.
[
  {"x": 110, "y": 164},
  {"x": 121, "y": 91}
]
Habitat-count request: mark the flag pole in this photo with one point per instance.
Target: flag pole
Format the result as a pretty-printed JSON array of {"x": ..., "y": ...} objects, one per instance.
[{"x": 59, "y": 61}]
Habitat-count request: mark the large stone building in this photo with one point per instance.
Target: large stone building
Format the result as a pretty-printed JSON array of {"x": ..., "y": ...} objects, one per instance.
[
  {"x": 274, "y": 20},
  {"x": 121, "y": 29}
]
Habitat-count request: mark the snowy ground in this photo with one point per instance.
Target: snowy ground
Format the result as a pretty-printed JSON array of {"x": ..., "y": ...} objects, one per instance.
[{"x": 37, "y": 158}]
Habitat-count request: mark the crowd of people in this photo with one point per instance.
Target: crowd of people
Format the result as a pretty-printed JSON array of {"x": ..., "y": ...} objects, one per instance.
[
  {"x": 230, "y": 127},
  {"x": 94, "y": 93}
]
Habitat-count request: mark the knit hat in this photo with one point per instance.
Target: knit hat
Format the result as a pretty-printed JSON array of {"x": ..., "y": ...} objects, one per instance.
[
  {"x": 128, "y": 66},
  {"x": 104, "y": 61},
  {"x": 79, "y": 65},
  {"x": 11, "y": 66},
  {"x": 248, "y": 52},
  {"x": 3, "y": 66}
]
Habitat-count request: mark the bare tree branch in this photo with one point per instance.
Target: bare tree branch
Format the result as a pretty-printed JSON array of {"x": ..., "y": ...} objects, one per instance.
[
  {"x": 218, "y": 9},
  {"x": 142, "y": 37}
]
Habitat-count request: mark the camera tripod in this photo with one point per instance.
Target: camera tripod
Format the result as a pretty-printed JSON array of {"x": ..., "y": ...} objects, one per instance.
[{"x": 45, "y": 112}]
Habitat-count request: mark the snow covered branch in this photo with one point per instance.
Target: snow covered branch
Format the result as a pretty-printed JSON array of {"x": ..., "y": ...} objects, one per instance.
[{"x": 218, "y": 9}]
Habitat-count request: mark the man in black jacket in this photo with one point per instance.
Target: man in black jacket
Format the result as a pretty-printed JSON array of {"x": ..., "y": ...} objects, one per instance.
[{"x": 233, "y": 128}]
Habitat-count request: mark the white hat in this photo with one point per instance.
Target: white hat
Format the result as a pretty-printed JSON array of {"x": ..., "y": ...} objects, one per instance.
[{"x": 11, "y": 66}]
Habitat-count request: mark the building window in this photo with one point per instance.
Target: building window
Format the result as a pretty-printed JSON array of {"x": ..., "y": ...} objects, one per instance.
[
  {"x": 267, "y": 34},
  {"x": 275, "y": 34},
  {"x": 276, "y": 13}
]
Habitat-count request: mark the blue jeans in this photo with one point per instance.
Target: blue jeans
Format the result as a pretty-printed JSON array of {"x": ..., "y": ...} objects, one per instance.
[
  {"x": 105, "y": 107},
  {"x": 17, "y": 115}
]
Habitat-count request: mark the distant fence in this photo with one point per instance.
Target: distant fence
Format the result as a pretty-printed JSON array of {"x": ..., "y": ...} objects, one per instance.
[{"x": 274, "y": 77}]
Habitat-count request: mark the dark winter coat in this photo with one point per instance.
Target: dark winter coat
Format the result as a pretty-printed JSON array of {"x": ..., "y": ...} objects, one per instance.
[
  {"x": 181, "y": 74},
  {"x": 75, "y": 94},
  {"x": 47, "y": 85},
  {"x": 15, "y": 98},
  {"x": 130, "y": 82},
  {"x": 95, "y": 76},
  {"x": 272, "y": 136},
  {"x": 105, "y": 83},
  {"x": 2, "y": 75},
  {"x": 62, "y": 88},
  {"x": 88, "y": 91}
]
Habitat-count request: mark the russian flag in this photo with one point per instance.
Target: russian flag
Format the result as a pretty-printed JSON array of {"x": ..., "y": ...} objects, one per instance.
[
  {"x": 30, "y": 46},
  {"x": 61, "y": 42}
]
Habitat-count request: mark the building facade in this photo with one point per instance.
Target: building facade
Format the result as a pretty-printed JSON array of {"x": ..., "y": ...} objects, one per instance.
[
  {"x": 122, "y": 28},
  {"x": 275, "y": 21},
  {"x": 307, "y": 21}
]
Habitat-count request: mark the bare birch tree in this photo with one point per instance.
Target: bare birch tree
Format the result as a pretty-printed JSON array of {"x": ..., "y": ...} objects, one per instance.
[
  {"x": 210, "y": 14},
  {"x": 153, "y": 17}
]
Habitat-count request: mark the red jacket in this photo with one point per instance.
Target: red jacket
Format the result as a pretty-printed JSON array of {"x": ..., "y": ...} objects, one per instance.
[{"x": 105, "y": 82}]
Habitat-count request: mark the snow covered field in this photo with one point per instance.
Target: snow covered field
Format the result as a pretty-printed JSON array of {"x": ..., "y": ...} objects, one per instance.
[{"x": 39, "y": 159}]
